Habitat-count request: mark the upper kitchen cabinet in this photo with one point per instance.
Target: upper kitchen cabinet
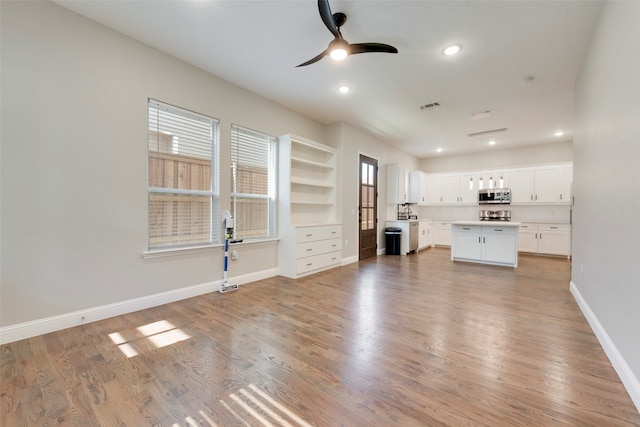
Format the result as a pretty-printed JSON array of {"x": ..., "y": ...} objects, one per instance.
[
  {"x": 450, "y": 189},
  {"x": 418, "y": 188},
  {"x": 397, "y": 185},
  {"x": 542, "y": 184}
]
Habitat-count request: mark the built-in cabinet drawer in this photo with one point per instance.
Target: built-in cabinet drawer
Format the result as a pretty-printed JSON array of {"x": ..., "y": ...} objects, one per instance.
[
  {"x": 317, "y": 262},
  {"x": 312, "y": 234},
  {"x": 318, "y": 247}
]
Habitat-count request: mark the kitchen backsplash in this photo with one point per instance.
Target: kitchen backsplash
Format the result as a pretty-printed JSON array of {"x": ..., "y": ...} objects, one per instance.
[{"x": 519, "y": 213}]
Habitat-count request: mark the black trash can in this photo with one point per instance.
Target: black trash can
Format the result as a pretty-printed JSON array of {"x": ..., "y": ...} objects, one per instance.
[{"x": 392, "y": 237}]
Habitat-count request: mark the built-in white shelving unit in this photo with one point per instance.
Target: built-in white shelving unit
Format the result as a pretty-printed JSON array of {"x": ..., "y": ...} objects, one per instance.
[{"x": 310, "y": 237}]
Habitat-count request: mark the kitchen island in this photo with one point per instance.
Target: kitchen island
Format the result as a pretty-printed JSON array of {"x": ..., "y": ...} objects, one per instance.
[{"x": 486, "y": 242}]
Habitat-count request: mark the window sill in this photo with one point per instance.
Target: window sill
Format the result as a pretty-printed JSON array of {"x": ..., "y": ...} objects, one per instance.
[{"x": 161, "y": 253}]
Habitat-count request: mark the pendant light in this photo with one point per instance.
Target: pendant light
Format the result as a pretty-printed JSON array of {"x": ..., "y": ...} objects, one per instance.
[
  {"x": 491, "y": 183},
  {"x": 480, "y": 186},
  {"x": 471, "y": 183}
]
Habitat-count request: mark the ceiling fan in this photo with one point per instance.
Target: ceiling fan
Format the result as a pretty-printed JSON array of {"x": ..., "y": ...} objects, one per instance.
[{"x": 339, "y": 48}]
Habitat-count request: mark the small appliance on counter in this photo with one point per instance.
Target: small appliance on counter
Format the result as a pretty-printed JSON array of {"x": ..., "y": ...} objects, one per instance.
[
  {"x": 404, "y": 213},
  {"x": 497, "y": 215},
  {"x": 494, "y": 196}
]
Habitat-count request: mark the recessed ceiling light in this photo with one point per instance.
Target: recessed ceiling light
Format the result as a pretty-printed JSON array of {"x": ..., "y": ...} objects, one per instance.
[
  {"x": 343, "y": 89},
  {"x": 492, "y": 142},
  {"x": 439, "y": 150},
  {"x": 558, "y": 133},
  {"x": 452, "y": 50}
]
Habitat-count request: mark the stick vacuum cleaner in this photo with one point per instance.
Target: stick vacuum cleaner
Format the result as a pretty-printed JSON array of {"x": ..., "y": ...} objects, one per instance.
[{"x": 225, "y": 286}]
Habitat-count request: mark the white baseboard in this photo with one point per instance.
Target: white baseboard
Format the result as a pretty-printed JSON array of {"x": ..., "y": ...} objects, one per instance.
[
  {"x": 350, "y": 260},
  {"x": 33, "y": 328},
  {"x": 382, "y": 251},
  {"x": 629, "y": 380}
]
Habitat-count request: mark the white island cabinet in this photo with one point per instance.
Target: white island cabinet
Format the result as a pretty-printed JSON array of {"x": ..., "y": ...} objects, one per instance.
[{"x": 485, "y": 242}]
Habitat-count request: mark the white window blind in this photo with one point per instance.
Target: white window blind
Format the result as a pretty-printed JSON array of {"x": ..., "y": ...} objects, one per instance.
[
  {"x": 183, "y": 177},
  {"x": 253, "y": 183}
]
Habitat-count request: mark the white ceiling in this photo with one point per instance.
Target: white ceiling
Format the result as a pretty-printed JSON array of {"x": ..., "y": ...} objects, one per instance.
[{"x": 257, "y": 44}]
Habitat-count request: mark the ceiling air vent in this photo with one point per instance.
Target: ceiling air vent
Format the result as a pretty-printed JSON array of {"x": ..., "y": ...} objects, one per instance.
[
  {"x": 480, "y": 115},
  {"x": 485, "y": 132},
  {"x": 429, "y": 107}
]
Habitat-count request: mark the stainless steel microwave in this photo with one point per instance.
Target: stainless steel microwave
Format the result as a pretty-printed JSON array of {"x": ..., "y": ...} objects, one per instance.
[{"x": 494, "y": 196}]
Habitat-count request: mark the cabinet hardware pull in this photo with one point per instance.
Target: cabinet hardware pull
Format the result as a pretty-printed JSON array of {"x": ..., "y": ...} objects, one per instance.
[
  {"x": 310, "y": 264},
  {"x": 333, "y": 246},
  {"x": 333, "y": 259},
  {"x": 484, "y": 240},
  {"x": 540, "y": 236},
  {"x": 532, "y": 197},
  {"x": 466, "y": 228},
  {"x": 333, "y": 232},
  {"x": 536, "y": 235},
  {"x": 498, "y": 229},
  {"x": 561, "y": 197},
  {"x": 478, "y": 239},
  {"x": 309, "y": 250},
  {"x": 309, "y": 235},
  {"x": 553, "y": 228}
]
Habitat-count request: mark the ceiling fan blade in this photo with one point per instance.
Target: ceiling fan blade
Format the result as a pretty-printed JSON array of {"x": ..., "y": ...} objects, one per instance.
[
  {"x": 327, "y": 17},
  {"x": 371, "y": 47},
  {"x": 313, "y": 60}
]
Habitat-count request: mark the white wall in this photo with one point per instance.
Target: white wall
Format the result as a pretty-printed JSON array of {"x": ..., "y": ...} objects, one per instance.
[
  {"x": 606, "y": 237},
  {"x": 74, "y": 174},
  {"x": 496, "y": 158}
]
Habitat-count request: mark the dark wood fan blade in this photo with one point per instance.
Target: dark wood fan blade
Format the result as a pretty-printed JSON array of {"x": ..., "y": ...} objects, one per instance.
[
  {"x": 327, "y": 17},
  {"x": 371, "y": 47},
  {"x": 313, "y": 60}
]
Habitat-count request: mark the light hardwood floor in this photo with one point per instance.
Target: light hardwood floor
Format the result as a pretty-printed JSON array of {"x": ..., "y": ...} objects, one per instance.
[{"x": 390, "y": 341}]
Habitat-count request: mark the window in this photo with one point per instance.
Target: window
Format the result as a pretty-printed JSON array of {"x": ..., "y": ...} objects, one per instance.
[
  {"x": 253, "y": 183},
  {"x": 183, "y": 177}
]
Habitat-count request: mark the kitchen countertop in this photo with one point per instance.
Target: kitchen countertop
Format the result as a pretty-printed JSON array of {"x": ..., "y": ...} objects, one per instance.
[{"x": 488, "y": 223}]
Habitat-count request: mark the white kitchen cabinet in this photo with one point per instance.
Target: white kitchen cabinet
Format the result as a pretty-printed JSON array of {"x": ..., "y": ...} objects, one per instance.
[
  {"x": 418, "y": 188},
  {"x": 500, "y": 245},
  {"x": 310, "y": 238},
  {"x": 487, "y": 244},
  {"x": 528, "y": 238},
  {"x": 549, "y": 239},
  {"x": 434, "y": 189},
  {"x": 565, "y": 183},
  {"x": 442, "y": 233},
  {"x": 467, "y": 194},
  {"x": 554, "y": 239},
  {"x": 450, "y": 189},
  {"x": 466, "y": 242},
  {"x": 397, "y": 185},
  {"x": 542, "y": 184},
  {"x": 522, "y": 185},
  {"x": 425, "y": 236}
]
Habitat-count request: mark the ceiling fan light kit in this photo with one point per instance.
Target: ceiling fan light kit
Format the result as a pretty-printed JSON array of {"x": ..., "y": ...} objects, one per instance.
[{"x": 339, "y": 48}]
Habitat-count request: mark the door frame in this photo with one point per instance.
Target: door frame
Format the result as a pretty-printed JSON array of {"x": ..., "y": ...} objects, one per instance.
[{"x": 377, "y": 199}]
